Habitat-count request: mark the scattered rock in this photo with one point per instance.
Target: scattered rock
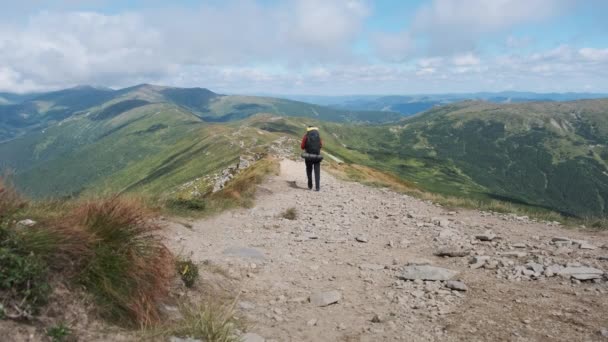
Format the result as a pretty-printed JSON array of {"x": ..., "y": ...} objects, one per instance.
[
  {"x": 604, "y": 332},
  {"x": 376, "y": 319},
  {"x": 582, "y": 273},
  {"x": 487, "y": 236},
  {"x": 372, "y": 267},
  {"x": 513, "y": 254},
  {"x": 447, "y": 233},
  {"x": 417, "y": 262},
  {"x": 519, "y": 245},
  {"x": 187, "y": 339},
  {"x": 553, "y": 270},
  {"x": 361, "y": 238},
  {"x": 26, "y": 223},
  {"x": 586, "y": 245},
  {"x": 452, "y": 252},
  {"x": 251, "y": 337},
  {"x": 426, "y": 272},
  {"x": 325, "y": 298},
  {"x": 537, "y": 268},
  {"x": 311, "y": 322},
  {"x": 244, "y": 252},
  {"x": 456, "y": 285},
  {"x": 478, "y": 261},
  {"x": 561, "y": 239}
]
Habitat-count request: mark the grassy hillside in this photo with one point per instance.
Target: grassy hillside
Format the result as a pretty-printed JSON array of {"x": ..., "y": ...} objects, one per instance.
[
  {"x": 550, "y": 155},
  {"x": 153, "y": 140},
  {"x": 150, "y": 149},
  {"x": 22, "y": 114}
]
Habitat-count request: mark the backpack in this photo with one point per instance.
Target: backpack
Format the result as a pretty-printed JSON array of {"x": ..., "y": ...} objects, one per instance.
[{"x": 313, "y": 142}]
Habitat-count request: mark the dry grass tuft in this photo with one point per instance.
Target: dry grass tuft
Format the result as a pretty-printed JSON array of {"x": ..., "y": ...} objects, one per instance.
[
  {"x": 290, "y": 214},
  {"x": 208, "y": 321},
  {"x": 129, "y": 270}
]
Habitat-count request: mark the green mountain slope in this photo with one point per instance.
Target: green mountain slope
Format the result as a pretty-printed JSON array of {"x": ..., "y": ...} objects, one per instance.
[
  {"x": 154, "y": 139},
  {"x": 41, "y": 110},
  {"x": 551, "y": 155}
]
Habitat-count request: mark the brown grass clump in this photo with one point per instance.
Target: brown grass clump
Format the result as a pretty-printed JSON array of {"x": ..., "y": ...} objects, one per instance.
[
  {"x": 129, "y": 269},
  {"x": 109, "y": 246},
  {"x": 290, "y": 214}
]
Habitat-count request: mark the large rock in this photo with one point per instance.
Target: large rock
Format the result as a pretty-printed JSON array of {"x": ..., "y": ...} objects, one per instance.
[
  {"x": 426, "y": 272},
  {"x": 325, "y": 298},
  {"x": 582, "y": 272}
]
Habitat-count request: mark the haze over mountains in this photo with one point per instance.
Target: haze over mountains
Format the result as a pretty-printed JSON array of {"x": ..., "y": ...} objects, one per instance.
[
  {"x": 155, "y": 139},
  {"x": 412, "y": 104}
]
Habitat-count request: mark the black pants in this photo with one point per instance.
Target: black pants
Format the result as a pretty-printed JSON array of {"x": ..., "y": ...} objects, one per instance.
[{"x": 317, "y": 167}]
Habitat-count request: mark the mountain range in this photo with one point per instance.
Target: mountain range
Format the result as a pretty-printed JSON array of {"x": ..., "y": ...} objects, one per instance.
[
  {"x": 412, "y": 104},
  {"x": 164, "y": 141}
]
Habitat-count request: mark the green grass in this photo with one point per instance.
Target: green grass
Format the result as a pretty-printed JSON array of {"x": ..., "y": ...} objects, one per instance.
[
  {"x": 59, "y": 332},
  {"x": 208, "y": 321},
  {"x": 188, "y": 271}
]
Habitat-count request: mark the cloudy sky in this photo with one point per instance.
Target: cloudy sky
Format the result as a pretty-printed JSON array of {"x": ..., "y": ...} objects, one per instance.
[{"x": 307, "y": 46}]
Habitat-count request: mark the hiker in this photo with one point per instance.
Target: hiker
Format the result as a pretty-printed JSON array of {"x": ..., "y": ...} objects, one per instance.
[{"x": 311, "y": 144}]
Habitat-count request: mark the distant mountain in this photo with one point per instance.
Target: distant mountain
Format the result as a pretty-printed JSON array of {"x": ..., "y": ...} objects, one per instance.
[
  {"x": 146, "y": 138},
  {"x": 413, "y": 104},
  {"x": 19, "y": 115}
]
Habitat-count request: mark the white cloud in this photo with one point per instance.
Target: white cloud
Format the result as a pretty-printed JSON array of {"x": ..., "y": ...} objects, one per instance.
[
  {"x": 457, "y": 25},
  {"x": 466, "y": 59},
  {"x": 57, "y": 49},
  {"x": 393, "y": 47}
]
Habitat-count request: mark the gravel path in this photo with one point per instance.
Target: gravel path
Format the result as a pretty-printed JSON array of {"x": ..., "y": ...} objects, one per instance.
[{"x": 334, "y": 273}]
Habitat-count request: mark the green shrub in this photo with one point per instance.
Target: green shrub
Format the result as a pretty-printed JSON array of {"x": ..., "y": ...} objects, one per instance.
[
  {"x": 23, "y": 278},
  {"x": 59, "y": 332},
  {"x": 193, "y": 204},
  {"x": 188, "y": 271}
]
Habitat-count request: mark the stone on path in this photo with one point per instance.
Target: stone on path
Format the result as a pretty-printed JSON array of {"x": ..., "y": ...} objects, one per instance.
[
  {"x": 487, "y": 236},
  {"x": 582, "y": 272},
  {"x": 453, "y": 252},
  {"x": 417, "y": 262},
  {"x": 426, "y": 272},
  {"x": 513, "y": 254},
  {"x": 586, "y": 245},
  {"x": 372, "y": 267},
  {"x": 251, "y": 337},
  {"x": 456, "y": 285},
  {"x": 479, "y": 261},
  {"x": 244, "y": 252},
  {"x": 325, "y": 298},
  {"x": 187, "y": 339},
  {"x": 553, "y": 270},
  {"x": 361, "y": 238},
  {"x": 26, "y": 223}
]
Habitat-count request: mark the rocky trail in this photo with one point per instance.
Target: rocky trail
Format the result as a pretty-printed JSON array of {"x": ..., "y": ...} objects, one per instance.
[{"x": 367, "y": 264}]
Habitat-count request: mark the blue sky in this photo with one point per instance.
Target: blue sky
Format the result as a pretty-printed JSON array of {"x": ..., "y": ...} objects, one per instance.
[{"x": 328, "y": 47}]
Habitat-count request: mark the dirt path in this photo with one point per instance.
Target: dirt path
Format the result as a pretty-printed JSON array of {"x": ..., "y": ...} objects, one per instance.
[{"x": 278, "y": 264}]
